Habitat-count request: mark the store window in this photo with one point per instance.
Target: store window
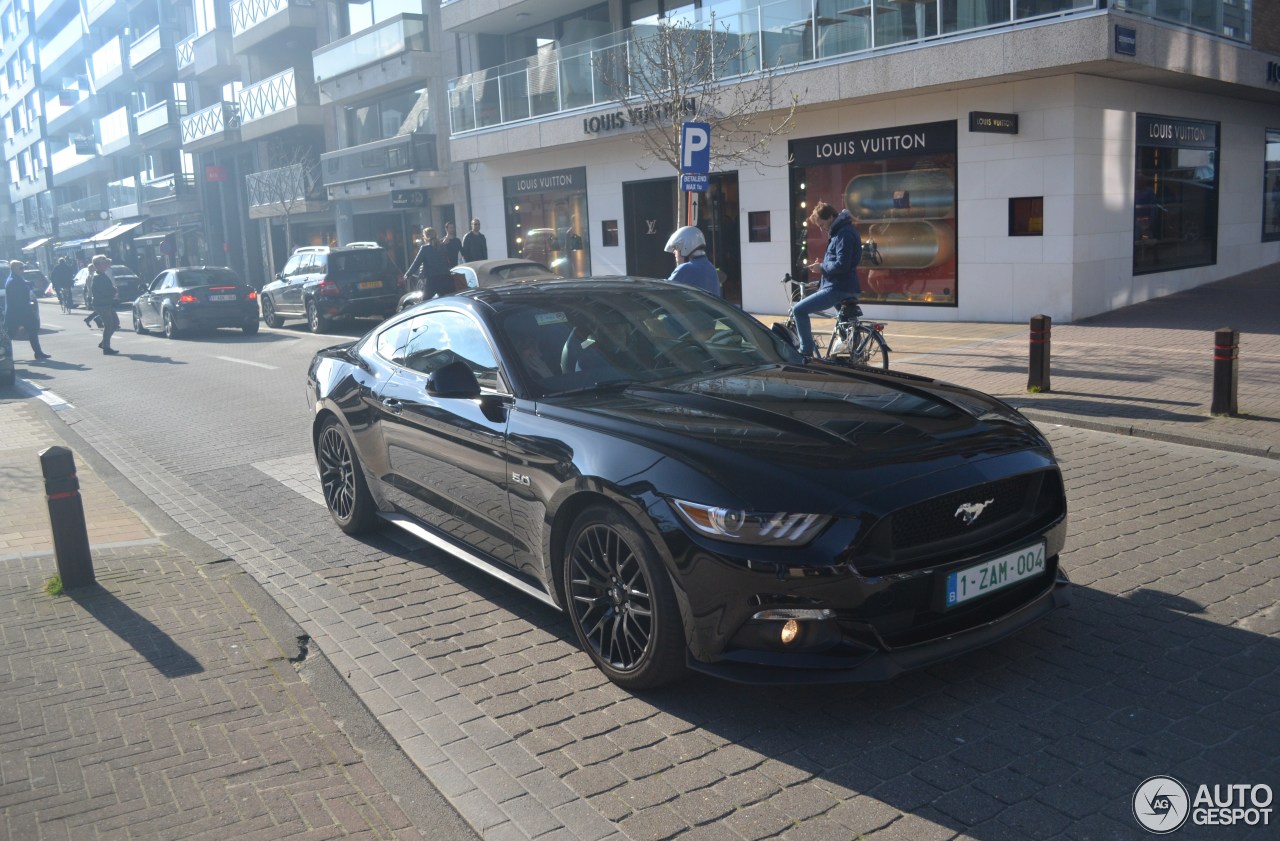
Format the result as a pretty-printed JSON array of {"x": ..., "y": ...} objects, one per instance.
[
  {"x": 900, "y": 186},
  {"x": 547, "y": 220},
  {"x": 1175, "y": 194},
  {"x": 1271, "y": 188}
]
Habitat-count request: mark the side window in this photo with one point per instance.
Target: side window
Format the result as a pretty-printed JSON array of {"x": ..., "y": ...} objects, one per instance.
[
  {"x": 461, "y": 280},
  {"x": 437, "y": 339},
  {"x": 390, "y": 342},
  {"x": 291, "y": 267},
  {"x": 157, "y": 282}
]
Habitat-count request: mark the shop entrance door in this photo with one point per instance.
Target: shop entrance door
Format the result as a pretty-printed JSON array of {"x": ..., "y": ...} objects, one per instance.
[{"x": 649, "y": 211}]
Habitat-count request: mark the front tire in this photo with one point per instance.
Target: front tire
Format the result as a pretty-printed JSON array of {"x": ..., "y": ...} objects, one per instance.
[
  {"x": 269, "y": 316},
  {"x": 621, "y": 602},
  {"x": 137, "y": 322},
  {"x": 346, "y": 493},
  {"x": 316, "y": 322}
]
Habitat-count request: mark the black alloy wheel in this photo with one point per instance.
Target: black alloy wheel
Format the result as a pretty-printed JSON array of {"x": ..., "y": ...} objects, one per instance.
[
  {"x": 269, "y": 316},
  {"x": 621, "y": 602},
  {"x": 345, "y": 493}
]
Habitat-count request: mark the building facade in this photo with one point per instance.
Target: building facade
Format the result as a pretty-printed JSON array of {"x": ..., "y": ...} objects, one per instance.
[{"x": 1005, "y": 158}]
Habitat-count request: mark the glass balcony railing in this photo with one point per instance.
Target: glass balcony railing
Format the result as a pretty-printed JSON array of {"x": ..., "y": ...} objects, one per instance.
[
  {"x": 145, "y": 47},
  {"x": 114, "y": 129},
  {"x": 213, "y": 121},
  {"x": 169, "y": 186},
  {"x": 94, "y": 9},
  {"x": 388, "y": 39},
  {"x": 273, "y": 95},
  {"x": 57, "y": 103},
  {"x": 784, "y": 33},
  {"x": 122, "y": 192},
  {"x": 59, "y": 45},
  {"x": 81, "y": 209},
  {"x": 107, "y": 62},
  {"x": 159, "y": 116},
  {"x": 405, "y": 153}
]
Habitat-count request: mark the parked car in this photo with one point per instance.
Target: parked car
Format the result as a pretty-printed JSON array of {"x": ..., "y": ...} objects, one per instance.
[
  {"x": 671, "y": 474},
  {"x": 322, "y": 284},
  {"x": 128, "y": 285},
  {"x": 196, "y": 297},
  {"x": 484, "y": 274}
]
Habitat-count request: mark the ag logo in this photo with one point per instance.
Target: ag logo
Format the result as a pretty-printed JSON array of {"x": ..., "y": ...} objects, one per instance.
[{"x": 1161, "y": 804}]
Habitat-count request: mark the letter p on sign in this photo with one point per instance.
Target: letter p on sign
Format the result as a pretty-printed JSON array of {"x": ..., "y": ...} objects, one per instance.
[{"x": 695, "y": 148}]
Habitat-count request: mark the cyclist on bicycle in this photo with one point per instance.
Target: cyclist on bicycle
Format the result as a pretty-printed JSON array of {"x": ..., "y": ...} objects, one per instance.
[
  {"x": 62, "y": 276},
  {"x": 692, "y": 265},
  {"x": 839, "y": 270}
]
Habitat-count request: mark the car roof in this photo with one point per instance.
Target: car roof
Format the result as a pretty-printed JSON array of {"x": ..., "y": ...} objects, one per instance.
[{"x": 498, "y": 296}]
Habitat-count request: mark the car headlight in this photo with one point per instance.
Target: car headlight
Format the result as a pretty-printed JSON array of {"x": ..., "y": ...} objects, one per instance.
[{"x": 761, "y": 528}]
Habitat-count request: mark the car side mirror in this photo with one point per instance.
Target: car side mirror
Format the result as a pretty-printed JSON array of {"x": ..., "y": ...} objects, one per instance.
[{"x": 454, "y": 380}]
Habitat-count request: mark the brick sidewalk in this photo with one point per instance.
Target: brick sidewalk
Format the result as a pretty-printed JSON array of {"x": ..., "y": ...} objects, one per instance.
[{"x": 157, "y": 704}]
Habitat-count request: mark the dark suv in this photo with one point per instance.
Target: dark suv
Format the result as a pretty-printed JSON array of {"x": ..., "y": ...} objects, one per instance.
[{"x": 322, "y": 284}]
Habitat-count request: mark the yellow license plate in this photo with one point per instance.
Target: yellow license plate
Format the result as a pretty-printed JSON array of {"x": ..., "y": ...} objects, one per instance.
[{"x": 371, "y": 284}]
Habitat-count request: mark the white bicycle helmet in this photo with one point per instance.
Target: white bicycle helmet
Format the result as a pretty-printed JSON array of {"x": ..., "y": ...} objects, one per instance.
[{"x": 686, "y": 240}]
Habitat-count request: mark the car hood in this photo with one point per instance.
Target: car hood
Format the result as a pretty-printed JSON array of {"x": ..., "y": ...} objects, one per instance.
[{"x": 779, "y": 424}]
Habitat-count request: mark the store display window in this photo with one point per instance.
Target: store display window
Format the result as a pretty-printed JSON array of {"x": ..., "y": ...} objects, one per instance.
[
  {"x": 900, "y": 185},
  {"x": 1271, "y": 188},
  {"x": 1175, "y": 194},
  {"x": 547, "y": 220}
]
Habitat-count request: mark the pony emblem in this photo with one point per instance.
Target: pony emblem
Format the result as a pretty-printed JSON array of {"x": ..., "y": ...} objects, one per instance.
[{"x": 971, "y": 511}]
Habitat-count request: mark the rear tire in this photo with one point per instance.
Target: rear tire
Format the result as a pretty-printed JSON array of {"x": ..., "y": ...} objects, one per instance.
[
  {"x": 170, "y": 328},
  {"x": 316, "y": 322},
  {"x": 876, "y": 354},
  {"x": 346, "y": 494},
  {"x": 621, "y": 602},
  {"x": 251, "y": 328}
]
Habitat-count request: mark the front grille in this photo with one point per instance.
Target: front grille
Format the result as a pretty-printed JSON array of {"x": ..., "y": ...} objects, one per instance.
[{"x": 938, "y": 519}]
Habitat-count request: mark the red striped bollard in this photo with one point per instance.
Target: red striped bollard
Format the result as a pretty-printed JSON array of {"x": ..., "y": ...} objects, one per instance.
[
  {"x": 1226, "y": 371},
  {"x": 1038, "y": 374},
  {"x": 66, "y": 517}
]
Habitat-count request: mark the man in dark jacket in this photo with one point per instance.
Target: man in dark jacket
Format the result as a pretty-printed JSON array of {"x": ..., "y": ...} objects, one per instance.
[
  {"x": 63, "y": 276},
  {"x": 104, "y": 300},
  {"x": 431, "y": 267},
  {"x": 474, "y": 245},
  {"x": 19, "y": 309},
  {"x": 839, "y": 270}
]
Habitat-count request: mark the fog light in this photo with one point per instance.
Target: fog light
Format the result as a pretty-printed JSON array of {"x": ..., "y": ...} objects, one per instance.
[{"x": 790, "y": 630}]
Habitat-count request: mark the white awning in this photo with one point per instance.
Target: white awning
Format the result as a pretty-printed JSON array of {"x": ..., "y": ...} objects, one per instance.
[{"x": 32, "y": 246}]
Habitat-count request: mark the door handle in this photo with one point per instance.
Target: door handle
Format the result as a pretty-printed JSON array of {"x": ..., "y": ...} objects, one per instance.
[{"x": 393, "y": 405}]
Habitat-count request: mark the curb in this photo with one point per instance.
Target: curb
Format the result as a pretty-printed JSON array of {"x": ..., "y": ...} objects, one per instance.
[{"x": 1136, "y": 431}]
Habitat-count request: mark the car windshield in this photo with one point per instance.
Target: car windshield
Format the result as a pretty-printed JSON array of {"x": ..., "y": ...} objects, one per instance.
[
  {"x": 207, "y": 278},
  {"x": 368, "y": 260},
  {"x": 570, "y": 339}
]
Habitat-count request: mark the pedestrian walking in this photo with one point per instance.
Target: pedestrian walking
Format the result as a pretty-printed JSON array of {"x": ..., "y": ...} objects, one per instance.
[
  {"x": 451, "y": 244},
  {"x": 431, "y": 267},
  {"x": 20, "y": 308},
  {"x": 474, "y": 245},
  {"x": 63, "y": 276},
  {"x": 104, "y": 300}
]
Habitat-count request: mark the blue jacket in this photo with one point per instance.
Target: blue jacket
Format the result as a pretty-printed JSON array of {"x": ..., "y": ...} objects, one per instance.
[
  {"x": 844, "y": 252},
  {"x": 18, "y": 309},
  {"x": 698, "y": 272}
]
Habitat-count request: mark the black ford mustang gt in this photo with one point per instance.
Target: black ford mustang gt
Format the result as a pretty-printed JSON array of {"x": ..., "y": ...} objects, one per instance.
[{"x": 662, "y": 467}]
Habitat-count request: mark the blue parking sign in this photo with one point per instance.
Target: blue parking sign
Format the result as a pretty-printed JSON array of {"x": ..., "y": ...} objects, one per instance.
[{"x": 695, "y": 148}]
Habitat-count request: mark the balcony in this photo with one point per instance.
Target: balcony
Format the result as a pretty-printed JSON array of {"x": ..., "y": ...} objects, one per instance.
[
  {"x": 107, "y": 12},
  {"x": 63, "y": 109},
  {"x": 169, "y": 187},
  {"x": 83, "y": 217},
  {"x": 207, "y": 56},
  {"x": 255, "y": 21},
  {"x": 41, "y": 9},
  {"x": 277, "y": 103},
  {"x": 211, "y": 127},
  {"x": 380, "y": 159},
  {"x": 152, "y": 56},
  {"x": 108, "y": 64},
  {"x": 123, "y": 198},
  {"x": 159, "y": 125},
  {"x": 295, "y": 187},
  {"x": 1227, "y": 18},
  {"x": 63, "y": 49},
  {"x": 390, "y": 55},
  {"x": 115, "y": 132}
]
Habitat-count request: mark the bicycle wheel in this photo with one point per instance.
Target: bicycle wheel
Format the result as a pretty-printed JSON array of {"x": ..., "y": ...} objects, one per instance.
[{"x": 868, "y": 349}]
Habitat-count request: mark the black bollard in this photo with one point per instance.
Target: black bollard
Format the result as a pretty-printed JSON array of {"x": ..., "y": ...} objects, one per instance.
[
  {"x": 1226, "y": 371},
  {"x": 1038, "y": 375},
  {"x": 66, "y": 517}
]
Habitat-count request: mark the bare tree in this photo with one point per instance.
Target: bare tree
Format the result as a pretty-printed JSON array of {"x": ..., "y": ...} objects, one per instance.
[
  {"x": 286, "y": 186},
  {"x": 684, "y": 71}
]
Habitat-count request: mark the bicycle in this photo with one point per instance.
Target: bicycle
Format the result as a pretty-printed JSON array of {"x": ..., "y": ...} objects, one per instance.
[{"x": 851, "y": 340}]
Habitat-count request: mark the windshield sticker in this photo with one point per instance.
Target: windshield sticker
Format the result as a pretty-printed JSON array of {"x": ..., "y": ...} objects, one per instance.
[{"x": 545, "y": 318}]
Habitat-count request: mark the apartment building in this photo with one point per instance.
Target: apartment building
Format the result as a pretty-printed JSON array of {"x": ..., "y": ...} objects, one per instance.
[
  {"x": 218, "y": 132},
  {"x": 1006, "y": 157}
]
